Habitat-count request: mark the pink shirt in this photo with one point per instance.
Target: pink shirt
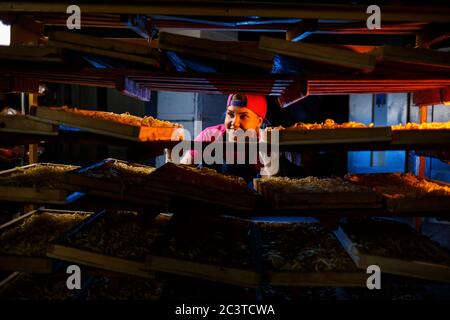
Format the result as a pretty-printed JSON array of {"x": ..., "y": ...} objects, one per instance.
[{"x": 209, "y": 134}]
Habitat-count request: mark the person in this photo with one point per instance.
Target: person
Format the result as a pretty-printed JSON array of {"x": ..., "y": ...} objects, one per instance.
[{"x": 243, "y": 112}]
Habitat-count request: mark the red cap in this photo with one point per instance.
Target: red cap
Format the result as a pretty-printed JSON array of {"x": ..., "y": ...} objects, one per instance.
[{"x": 256, "y": 103}]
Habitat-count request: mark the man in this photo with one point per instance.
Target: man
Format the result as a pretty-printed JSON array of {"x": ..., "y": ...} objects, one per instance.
[{"x": 244, "y": 113}]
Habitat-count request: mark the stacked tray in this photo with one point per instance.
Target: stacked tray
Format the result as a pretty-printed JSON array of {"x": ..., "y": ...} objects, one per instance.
[
  {"x": 115, "y": 241},
  {"x": 407, "y": 193},
  {"x": 210, "y": 249},
  {"x": 305, "y": 254},
  {"x": 26, "y": 125},
  {"x": 428, "y": 133},
  {"x": 119, "y": 180},
  {"x": 122, "y": 126},
  {"x": 329, "y": 132},
  {"x": 395, "y": 248},
  {"x": 38, "y": 183},
  {"x": 25, "y": 286},
  {"x": 24, "y": 241},
  {"x": 283, "y": 193},
  {"x": 204, "y": 185}
]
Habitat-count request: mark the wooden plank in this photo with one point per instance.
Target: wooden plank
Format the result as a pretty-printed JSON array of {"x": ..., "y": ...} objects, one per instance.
[
  {"x": 177, "y": 192},
  {"x": 415, "y": 269},
  {"x": 31, "y": 53},
  {"x": 105, "y": 127},
  {"x": 109, "y": 188},
  {"x": 419, "y": 56},
  {"x": 432, "y": 96},
  {"x": 26, "y": 264},
  {"x": 292, "y": 136},
  {"x": 432, "y": 204},
  {"x": 59, "y": 116},
  {"x": 319, "y": 53},
  {"x": 18, "y": 194},
  {"x": 100, "y": 261},
  {"x": 31, "y": 264},
  {"x": 203, "y": 271},
  {"x": 226, "y": 57},
  {"x": 294, "y": 93},
  {"x": 26, "y": 124},
  {"x": 234, "y": 48},
  {"x": 243, "y": 9},
  {"x": 101, "y": 43},
  {"x": 326, "y": 200},
  {"x": 18, "y": 84},
  {"x": 101, "y": 52},
  {"x": 405, "y": 137},
  {"x": 33, "y": 155},
  {"x": 33, "y": 194},
  {"x": 7, "y": 280},
  {"x": 332, "y": 279}
]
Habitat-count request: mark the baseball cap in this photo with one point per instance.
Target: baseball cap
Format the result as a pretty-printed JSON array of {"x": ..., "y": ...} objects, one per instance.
[{"x": 256, "y": 103}]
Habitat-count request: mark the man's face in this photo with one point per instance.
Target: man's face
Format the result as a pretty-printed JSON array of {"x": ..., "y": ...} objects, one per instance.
[{"x": 242, "y": 118}]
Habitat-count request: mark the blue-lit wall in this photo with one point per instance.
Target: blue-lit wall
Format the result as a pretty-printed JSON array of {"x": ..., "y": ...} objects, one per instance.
[{"x": 382, "y": 110}]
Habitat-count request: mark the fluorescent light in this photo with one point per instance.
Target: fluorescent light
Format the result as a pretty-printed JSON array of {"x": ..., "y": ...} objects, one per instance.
[{"x": 5, "y": 34}]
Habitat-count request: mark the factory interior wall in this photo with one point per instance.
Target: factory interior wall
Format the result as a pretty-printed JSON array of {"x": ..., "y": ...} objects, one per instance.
[{"x": 382, "y": 110}]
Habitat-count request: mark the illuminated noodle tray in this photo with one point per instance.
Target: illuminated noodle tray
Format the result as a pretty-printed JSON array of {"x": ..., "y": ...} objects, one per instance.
[
  {"x": 405, "y": 192},
  {"x": 424, "y": 133},
  {"x": 123, "y": 126},
  {"x": 330, "y": 132},
  {"x": 284, "y": 193}
]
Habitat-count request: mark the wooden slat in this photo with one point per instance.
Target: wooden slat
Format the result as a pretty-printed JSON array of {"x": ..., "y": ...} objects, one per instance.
[
  {"x": 210, "y": 49},
  {"x": 327, "y": 136},
  {"x": 235, "y": 48},
  {"x": 332, "y": 279},
  {"x": 26, "y": 124},
  {"x": 426, "y": 137},
  {"x": 210, "y": 272},
  {"x": 415, "y": 269},
  {"x": 319, "y": 53},
  {"x": 432, "y": 96},
  {"x": 243, "y": 9},
  {"x": 102, "y": 52},
  {"x": 293, "y": 94},
  {"x": 419, "y": 56},
  {"x": 59, "y": 116},
  {"x": 31, "y": 264},
  {"x": 100, "y": 43},
  {"x": 100, "y": 261}
]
